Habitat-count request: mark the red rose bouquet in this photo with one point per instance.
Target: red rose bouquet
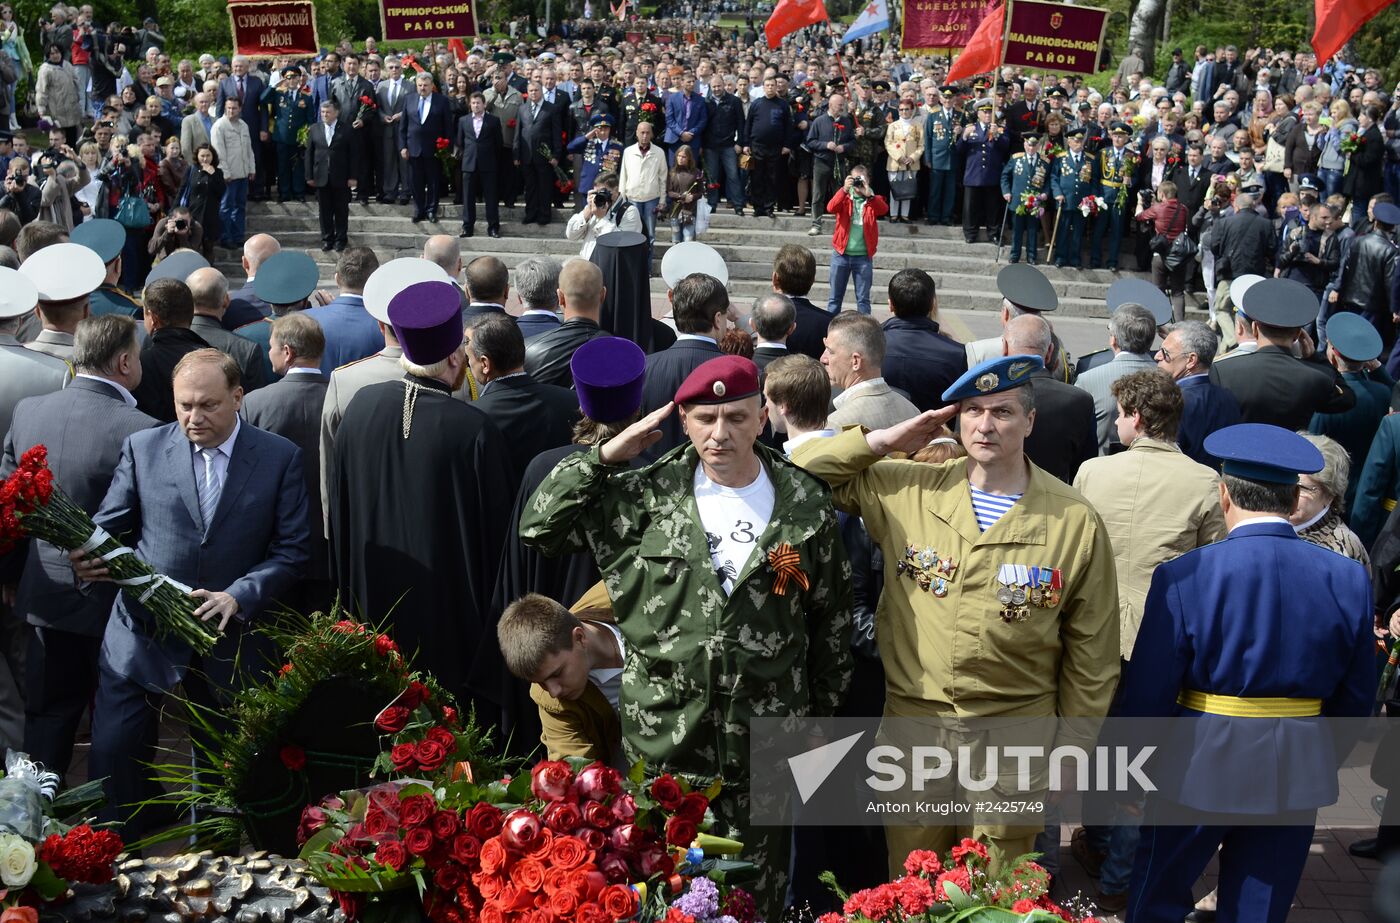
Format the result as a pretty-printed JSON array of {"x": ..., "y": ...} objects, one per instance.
[
  {"x": 561, "y": 179},
  {"x": 33, "y": 506},
  {"x": 443, "y": 151},
  {"x": 649, "y": 113},
  {"x": 971, "y": 881},
  {"x": 1032, "y": 204},
  {"x": 569, "y": 841},
  {"x": 1351, "y": 142}
]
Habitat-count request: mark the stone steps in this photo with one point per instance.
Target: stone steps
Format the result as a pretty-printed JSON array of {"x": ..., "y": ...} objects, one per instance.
[{"x": 965, "y": 273}]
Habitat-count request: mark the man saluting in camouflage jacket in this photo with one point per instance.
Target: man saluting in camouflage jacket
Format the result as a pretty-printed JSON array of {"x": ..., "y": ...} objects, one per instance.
[{"x": 729, "y": 582}]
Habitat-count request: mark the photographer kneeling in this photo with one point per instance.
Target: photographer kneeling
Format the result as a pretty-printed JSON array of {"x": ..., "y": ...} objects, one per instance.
[
  {"x": 177, "y": 231},
  {"x": 603, "y": 213}
]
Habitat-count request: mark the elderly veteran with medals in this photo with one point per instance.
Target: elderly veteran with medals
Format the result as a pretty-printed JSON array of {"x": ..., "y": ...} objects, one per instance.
[
  {"x": 1003, "y": 601},
  {"x": 1235, "y": 641},
  {"x": 732, "y": 592}
]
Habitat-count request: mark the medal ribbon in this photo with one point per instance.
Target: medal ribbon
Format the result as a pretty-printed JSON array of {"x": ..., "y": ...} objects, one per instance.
[{"x": 783, "y": 560}]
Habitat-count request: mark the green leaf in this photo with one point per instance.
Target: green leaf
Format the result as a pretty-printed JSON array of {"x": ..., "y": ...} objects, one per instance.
[
  {"x": 638, "y": 773},
  {"x": 319, "y": 842},
  {"x": 828, "y": 878},
  {"x": 46, "y": 884},
  {"x": 715, "y": 787},
  {"x": 956, "y": 896},
  {"x": 519, "y": 789}
]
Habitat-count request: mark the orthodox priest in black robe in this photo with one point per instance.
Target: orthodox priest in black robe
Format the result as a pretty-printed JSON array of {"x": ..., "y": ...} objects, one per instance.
[
  {"x": 607, "y": 373},
  {"x": 420, "y": 501}
]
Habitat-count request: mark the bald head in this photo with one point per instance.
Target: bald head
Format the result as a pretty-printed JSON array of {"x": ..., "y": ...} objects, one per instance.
[
  {"x": 256, "y": 249},
  {"x": 1028, "y": 334},
  {"x": 443, "y": 250},
  {"x": 581, "y": 289},
  {"x": 210, "y": 291}
]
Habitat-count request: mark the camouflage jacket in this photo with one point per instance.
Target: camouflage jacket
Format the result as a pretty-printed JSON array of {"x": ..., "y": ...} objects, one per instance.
[{"x": 699, "y": 664}]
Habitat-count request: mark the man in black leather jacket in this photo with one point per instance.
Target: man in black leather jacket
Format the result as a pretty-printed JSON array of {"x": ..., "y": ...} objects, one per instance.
[
  {"x": 1366, "y": 275},
  {"x": 581, "y": 294}
]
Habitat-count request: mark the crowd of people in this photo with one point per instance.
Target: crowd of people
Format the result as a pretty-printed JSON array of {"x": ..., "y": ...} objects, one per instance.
[{"x": 620, "y": 536}]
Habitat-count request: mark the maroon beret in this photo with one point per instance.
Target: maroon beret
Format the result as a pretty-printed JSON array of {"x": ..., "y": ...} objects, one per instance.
[{"x": 719, "y": 381}]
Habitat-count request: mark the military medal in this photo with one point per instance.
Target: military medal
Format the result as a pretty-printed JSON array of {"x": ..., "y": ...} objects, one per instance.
[
  {"x": 1019, "y": 594},
  {"x": 926, "y": 569},
  {"x": 1006, "y": 576},
  {"x": 1056, "y": 584},
  {"x": 1037, "y": 596}
]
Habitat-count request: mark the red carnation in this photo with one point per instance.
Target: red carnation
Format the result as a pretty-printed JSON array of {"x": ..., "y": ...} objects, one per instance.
[
  {"x": 392, "y": 855},
  {"x": 449, "y": 715},
  {"x": 959, "y": 876},
  {"x": 967, "y": 848},
  {"x": 384, "y": 645},
  {"x": 293, "y": 757},
  {"x": 392, "y": 719},
  {"x": 83, "y": 854},
  {"x": 510, "y": 123},
  {"x": 923, "y": 862}
]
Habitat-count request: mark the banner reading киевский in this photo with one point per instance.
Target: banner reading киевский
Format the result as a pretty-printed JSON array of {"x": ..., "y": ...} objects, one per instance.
[
  {"x": 274, "y": 28},
  {"x": 941, "y": 23},
  {"x": 413, "y": 19},
  {"x": 1058, "y": 37}
]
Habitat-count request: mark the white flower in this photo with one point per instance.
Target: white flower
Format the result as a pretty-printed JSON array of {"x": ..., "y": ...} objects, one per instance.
[{"x": 17, "y": 862}]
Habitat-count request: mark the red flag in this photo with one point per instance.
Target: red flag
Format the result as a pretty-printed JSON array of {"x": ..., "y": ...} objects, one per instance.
[
  {"x": 791, "y": 15},
  {"x": 459, "y": 51},
  {"x": 983, "y": 51},
  {"x": 1337, "y": 22}
]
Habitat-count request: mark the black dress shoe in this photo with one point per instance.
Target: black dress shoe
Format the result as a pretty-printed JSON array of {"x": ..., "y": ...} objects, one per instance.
[
  {"x": 417, "y": 218},
  {"x": 432, "y": 216},
  {"x": 404, "y": 201},
  {"x": 385, "y": 200},
  {"x": 1369, "y": 848},
  {"x": 1200, "y": 916},
  {"x": 327, "y": 247},
  {"x": 339, "y": 246},
  {"x": 494, "y": 232},
  {"x": 466, "y": 232}
]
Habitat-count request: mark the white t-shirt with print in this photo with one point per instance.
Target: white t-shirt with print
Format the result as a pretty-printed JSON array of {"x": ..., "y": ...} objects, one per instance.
[{"x": 733, "y": 519}]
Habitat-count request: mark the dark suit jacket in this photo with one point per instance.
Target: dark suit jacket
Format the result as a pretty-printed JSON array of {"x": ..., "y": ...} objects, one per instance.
[
  {"x": 480, "y": 153},
  {"x": 1065, "y": 431},
  {"x": 252, "y": 102},
  {"x": 244, "y": 308},
  {"x": 1207, "y": 407},
  {"x": 477, "y": 308},
  {"x": 763, "y": 355},
  {"x": 421, "y": 137},
  {"x": 291, "y": 408},
  {"x": 161, "y": 352},
  {"x": 347, "y": 93},
  {"x": 329, "y": 167},
  {"x": 1272, "y": 386},
  {"x": 244, "y": 351},
  {"x": 254, "y": 549},
  {"x": 666, "y": 371},
  {"x": 84, "y": 427},
  {"x": 532, "y": 416},
  {"x": 531, "y": 132},
  {"x": 1192, "y": 195},
  {"x": 922, "y": 361},
  {"x": 533, "y": 325},
  {"x": 810, "y": 336}
]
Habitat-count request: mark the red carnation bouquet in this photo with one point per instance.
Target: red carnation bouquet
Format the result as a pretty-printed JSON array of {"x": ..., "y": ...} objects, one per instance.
[
  {"x": 33, "y": 506},
  {"x": 367, "y": 105},
  {"x": 972, "y": 881},
  {"x": 569, "y": 841},
  {"x": 443, "y": 151},
  {"x": 561, "y": 179}
]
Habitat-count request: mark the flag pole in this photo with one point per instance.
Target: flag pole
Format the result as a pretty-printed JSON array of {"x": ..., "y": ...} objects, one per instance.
[{"x": 836, "y": 47}]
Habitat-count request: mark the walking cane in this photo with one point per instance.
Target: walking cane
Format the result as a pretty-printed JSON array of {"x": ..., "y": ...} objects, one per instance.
[
  {"x": 1001, "y": 237},
  {"x": 1050, "y": 253}
]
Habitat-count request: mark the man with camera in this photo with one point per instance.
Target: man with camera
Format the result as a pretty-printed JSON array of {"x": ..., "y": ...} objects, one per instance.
[
  {"x": 602, "y": 213},
  {"x": 20, "y": 196},
  {"x": 853, "y": 243},
  {"x": 176, "y": 231}
]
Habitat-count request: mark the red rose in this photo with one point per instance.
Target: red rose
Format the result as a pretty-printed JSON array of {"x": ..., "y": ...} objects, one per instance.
[
  {"x": 510, "y": 123},
  {"x": 598, "y": 815},
  {"x": 416, "y": 810},
  {"x": 592, "y": 913},
  {"x": 312, "y": 820},
  {"x": 614, "y": 868},
  {"x": 551, "y": 780},
  {"x": 568, "y": 852},
  {"x": 680, "y": 832},
  {"x": 416, "y": 694},
  {"x": 403, "y": 757},
  {"x": 528, "y": 875},
  {"x": 693, "y": 808},
  {"x": 521, "y": 829},
  {"x": 540, "y": 848},
  {"x": 598, "y": 782},
  {"x": 19, "y": 915},
  {"x": 378, "y": 823},
  {"x": 494, "y": 857},
  {"x": 465, "y": 848},
  {"x": 592, "y": 837},
  {"x": 492, "y": 914},
  {"x": 667, "y": 792},
  {"x": 627, "y": 838},
  {"x": 620, "y": 901},
  {"x": 484, "y": 820},
  {"x": 392, "y": 719},
  {"x": 293, "y": 757},
  {"x": 562, "y": 817},
  {"x": 563, "y": 904},
  {"x": 587, "y": 883},
  {"x": 431, "y": 754},
  {"x": 419, "y": 841},
  {"x": 449, "y": 876},
  {"x": 490, "y": 885},
  {"x": 445, "y": 825},
  {"x": 392, "y": 855}
]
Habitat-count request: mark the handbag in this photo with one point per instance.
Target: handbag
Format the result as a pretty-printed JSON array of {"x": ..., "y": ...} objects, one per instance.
[
  {"x": 1181, "y": 252},
  {"x": 905, "y": 185},
  {"x": 133, "y": 213},
  {"x": 1273, "y": 157},
  {"x": 1160, "y": 242}
]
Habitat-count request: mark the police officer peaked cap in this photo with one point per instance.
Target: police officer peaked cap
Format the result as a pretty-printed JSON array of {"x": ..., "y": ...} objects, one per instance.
[
  {"x": 102, "y": 236},
  {"x": 287, "y": 277},
  {"x": 1354, "y": 337},
  {"x": 1281, "y": 303},
  {"x": 18, "y": 295},
  {"x": 1387, "y": 213},
  {"x": 62, "y": 272},
  {"x": 1140, "y": 292},
  {"x": 179, "y": 265},
  {"x": 1263, "y": 452},
  {"x": 1239, "y": 286},
  {"x": 1026, "y": 287}
]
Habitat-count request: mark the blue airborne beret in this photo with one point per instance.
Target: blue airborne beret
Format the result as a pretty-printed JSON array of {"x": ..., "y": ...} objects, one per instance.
[
  {"x": 1262, "y": 452},
  {"x": 1000, "y": 374}
]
